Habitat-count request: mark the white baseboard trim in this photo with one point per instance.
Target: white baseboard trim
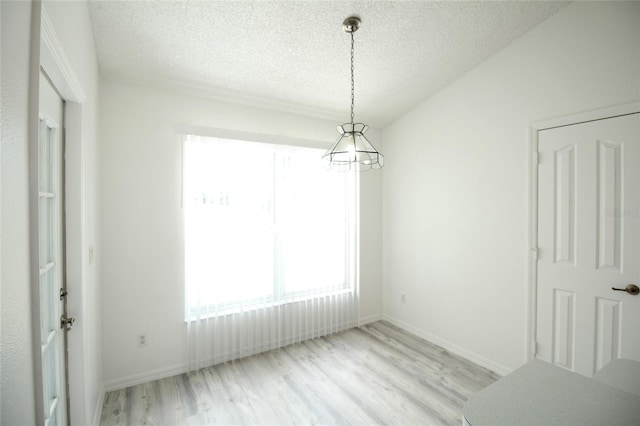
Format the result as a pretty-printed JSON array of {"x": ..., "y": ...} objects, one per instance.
[
  {"x": 369, "y": 319},
  {"x": 147, "y": 376},
  {"x": 451, "y": 347},
  {"x": 97, "y": 411},
  {"x": 163, "y": 373},
  {"x": 169, "y": 371}
]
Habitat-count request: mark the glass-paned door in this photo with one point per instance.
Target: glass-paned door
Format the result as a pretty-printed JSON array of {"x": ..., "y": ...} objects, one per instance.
[{"x": 50, "y": 253}]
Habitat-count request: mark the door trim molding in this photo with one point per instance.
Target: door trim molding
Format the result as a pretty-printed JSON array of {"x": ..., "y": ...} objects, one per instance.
[
  {"x": 55, "y": 62},
  {"x": 532, "y": 244},
  {"x": 48, "y": 54},
  {"x": 34, "y": 249}
]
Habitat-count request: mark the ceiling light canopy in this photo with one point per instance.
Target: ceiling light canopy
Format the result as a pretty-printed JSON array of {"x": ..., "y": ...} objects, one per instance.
[{"x": 352, "y": 150}]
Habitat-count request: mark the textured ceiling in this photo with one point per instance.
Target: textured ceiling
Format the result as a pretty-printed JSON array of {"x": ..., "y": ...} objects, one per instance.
[{"x": 294, "y": 56}]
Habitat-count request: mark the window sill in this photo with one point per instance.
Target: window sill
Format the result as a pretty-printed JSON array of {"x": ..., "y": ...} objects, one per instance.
[{"x": 197, "y": 314}]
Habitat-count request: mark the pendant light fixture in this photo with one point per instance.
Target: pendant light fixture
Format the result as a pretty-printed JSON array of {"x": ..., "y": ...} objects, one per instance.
[{"x": 352, "y": 150}]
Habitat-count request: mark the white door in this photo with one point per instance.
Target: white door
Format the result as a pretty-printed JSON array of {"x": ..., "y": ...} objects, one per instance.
[
  {"x": 50, "y": 253},
  {"x": 589, "y": 242}
]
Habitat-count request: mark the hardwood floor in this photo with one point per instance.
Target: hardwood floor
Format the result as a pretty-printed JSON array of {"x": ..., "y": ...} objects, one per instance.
[{"x": 375, "y": 374}]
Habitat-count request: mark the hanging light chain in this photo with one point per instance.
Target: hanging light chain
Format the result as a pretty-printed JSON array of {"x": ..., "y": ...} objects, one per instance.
[
  {"x": 352, "y": 81},
  {"x": 352, "y": 150}
]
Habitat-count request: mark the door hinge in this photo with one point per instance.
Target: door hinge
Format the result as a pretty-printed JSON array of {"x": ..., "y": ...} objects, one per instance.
[
  {"x": 66, "y": 323},
  {"x": 63, "y": 293}
]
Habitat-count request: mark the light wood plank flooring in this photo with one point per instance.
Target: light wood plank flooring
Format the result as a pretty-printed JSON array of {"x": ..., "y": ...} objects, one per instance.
[{"x": 375, "y": 374}]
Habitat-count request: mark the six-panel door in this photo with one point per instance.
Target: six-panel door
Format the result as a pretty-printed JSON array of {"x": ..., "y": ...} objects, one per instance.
[{"x": 589, "y": 242}]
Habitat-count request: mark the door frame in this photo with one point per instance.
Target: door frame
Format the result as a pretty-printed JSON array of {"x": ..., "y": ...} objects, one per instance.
[
  {"x": 532, "y": 243},
  {"x": 48, "y": 54}
]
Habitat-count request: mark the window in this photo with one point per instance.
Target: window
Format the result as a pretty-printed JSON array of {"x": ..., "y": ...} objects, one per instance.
[{"x": 264, "y": 224}]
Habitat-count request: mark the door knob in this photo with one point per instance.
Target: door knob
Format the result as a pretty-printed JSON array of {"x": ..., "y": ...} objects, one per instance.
[{"x": 632, "y": 289}]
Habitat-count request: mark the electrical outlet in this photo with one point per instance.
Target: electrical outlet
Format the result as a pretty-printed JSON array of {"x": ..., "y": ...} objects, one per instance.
[
  {"x": 142, "y": 340},
  {"x": 403, "y": 298}
]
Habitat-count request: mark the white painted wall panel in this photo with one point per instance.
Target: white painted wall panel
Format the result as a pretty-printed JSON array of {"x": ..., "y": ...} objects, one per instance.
[
  {"x": 455, "y": 208},
  {"x": 18, "y": 405},
  {"x": 142, "y": 256}
]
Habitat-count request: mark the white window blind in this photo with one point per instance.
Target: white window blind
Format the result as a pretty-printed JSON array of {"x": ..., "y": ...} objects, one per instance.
[{"x": 266, "y": 226}]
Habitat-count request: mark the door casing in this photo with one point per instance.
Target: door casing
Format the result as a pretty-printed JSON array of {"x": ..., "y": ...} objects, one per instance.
[
  {"x": 532, "y": 247},
  {"x": 51, "y": 115},
  {"x": 48, "y": 54}
]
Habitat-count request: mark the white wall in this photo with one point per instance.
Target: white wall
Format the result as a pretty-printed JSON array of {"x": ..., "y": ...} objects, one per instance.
[
  {"x": 17, "y": 379},
  {"x": 73, "y": 28},
  {"x": 71, "y": 23},
  {"x": 455, "y": 209},
  {"x": 142, "y": 256}
]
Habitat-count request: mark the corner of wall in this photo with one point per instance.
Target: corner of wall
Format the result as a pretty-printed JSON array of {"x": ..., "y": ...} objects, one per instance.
[
  {"x": 451, "y": 347},
  {"x": 97, "y": 411}
]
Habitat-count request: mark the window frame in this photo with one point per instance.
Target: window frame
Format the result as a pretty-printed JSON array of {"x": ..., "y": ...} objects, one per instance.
[{"x": 279, "y": 296}]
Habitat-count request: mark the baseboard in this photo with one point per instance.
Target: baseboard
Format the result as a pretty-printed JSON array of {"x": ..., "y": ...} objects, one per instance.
[
  {"x": 97, "y": 411},
  {"x": 147, "y": 376},
  {"x": 169, "y": 371},
  {"x": 451, "y": 347},
  {"x": 369, "y": 319},
  {"x": 163, "y": 373}
]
